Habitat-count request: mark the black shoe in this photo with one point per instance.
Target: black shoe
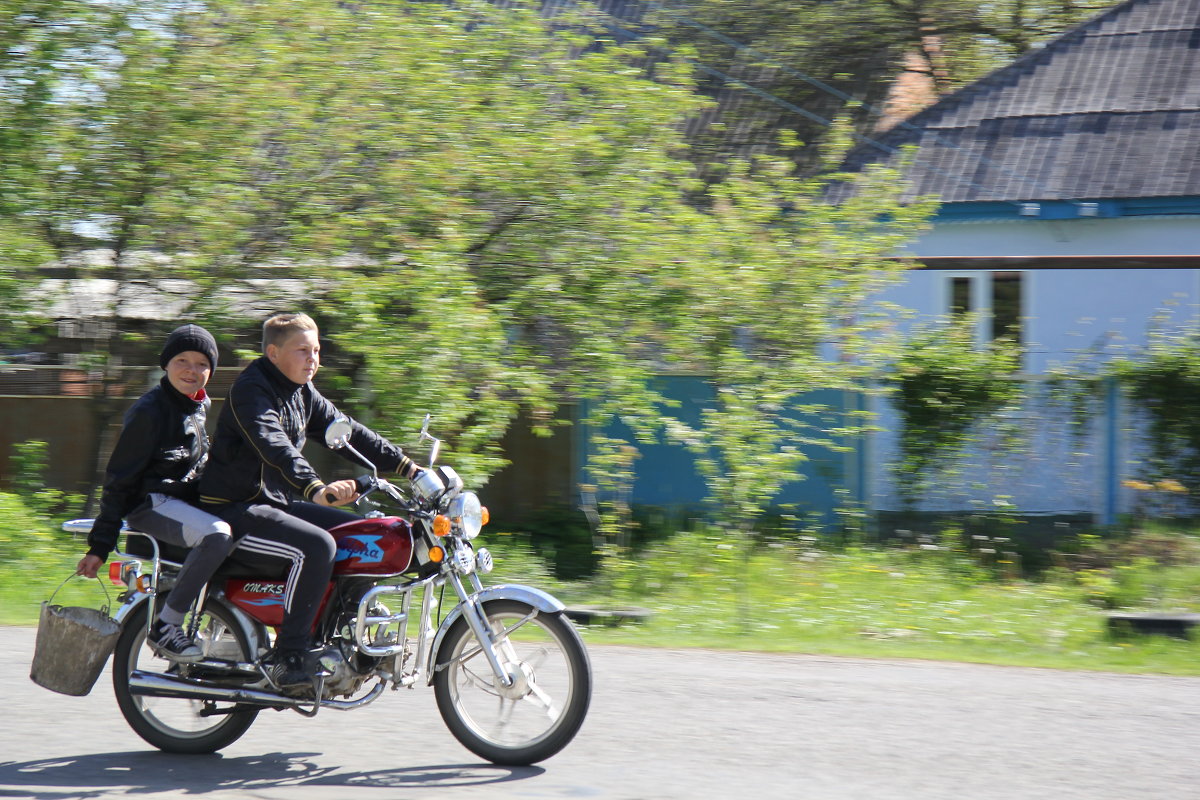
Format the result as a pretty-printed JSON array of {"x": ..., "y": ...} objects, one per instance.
[
  {"x": 288, "y": 668},
  {"x": 169, "y": 641}
]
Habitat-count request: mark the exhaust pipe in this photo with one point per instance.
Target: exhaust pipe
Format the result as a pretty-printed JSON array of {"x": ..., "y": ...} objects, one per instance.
[{"x": 156, "y": 684}]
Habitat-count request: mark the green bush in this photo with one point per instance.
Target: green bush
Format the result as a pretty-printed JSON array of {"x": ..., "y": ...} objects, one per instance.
[
  {"x": 560, "y": 535},
  {"x": 944, "y": 383},
  {"x": 1164, "y": 379},
  {"x": 29, "y": 480},
  {"x": 25, "y": 534}
]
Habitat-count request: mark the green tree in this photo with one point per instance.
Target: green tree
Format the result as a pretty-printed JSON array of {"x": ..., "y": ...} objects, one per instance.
[
  {"x": 492, "y": 211},
  {"x": 47, "y": 50}
]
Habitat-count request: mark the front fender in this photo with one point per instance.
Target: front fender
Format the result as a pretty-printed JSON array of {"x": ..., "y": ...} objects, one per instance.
[{"x": 540, "y": 600}]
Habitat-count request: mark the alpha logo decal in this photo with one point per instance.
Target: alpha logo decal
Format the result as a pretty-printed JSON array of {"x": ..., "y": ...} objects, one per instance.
[{"x": 361, "y": 546}]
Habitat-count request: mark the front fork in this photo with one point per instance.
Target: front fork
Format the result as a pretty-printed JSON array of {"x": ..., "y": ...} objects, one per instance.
[{"x": 477, "y": 621}]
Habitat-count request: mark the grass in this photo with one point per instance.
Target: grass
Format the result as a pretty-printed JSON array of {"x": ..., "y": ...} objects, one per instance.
[
  {"x": 707, "y": 591},
  {"x": 884, "y": 603}
]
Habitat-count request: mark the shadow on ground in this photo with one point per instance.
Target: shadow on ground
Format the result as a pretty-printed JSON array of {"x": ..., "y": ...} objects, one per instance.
[{"x": 96, "y": 775}]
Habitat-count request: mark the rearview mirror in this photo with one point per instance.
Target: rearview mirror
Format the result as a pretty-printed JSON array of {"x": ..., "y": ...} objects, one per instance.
[
  {"x": 437, "y": 443},
  {"x": 337, "y": 435}
]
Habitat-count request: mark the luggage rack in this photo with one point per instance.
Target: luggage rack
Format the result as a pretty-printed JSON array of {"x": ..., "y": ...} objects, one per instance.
[
  {"x": 153, "y": 553},
  {"x": 133, "y": 556}
]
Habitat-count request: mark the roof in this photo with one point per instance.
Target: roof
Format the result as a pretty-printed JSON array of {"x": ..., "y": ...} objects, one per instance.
[
  {"x": 159, "y": 300},
  {"x": 1110, "y": 109}
]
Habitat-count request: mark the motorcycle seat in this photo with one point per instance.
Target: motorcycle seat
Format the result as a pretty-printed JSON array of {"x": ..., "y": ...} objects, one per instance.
[{"x": 138, "y": 544}]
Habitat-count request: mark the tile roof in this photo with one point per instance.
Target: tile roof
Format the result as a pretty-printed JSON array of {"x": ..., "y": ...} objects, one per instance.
[{"x": 1109, "y": 109}]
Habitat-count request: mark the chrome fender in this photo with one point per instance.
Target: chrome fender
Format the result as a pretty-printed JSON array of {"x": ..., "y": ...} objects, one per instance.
[
  {"x": 130, "y": 605},
  {"x": 540, "y": 600}
]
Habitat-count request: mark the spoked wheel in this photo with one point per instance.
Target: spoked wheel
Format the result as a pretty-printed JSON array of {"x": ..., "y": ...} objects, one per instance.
[
  {"x": 541, "y": 711},
  {"x": 177, "y": 725}
]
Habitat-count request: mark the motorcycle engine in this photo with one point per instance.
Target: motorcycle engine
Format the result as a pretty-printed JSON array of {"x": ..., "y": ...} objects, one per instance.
[{"x": 343, "y": 679}]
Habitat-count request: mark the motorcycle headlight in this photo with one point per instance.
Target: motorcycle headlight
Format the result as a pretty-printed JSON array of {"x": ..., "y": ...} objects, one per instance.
[{"x": 466, "y": 514}]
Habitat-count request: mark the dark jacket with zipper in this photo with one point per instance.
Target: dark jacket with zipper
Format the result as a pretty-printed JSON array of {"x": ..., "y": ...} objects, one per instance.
[
  {"x": 162, "y": 448},
  {"x": 261, "y": 430}
]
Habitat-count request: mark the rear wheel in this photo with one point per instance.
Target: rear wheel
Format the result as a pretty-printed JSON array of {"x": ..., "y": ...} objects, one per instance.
[
  {"x": 541, "y": 711},
  {"x": 177, "y": 725}
]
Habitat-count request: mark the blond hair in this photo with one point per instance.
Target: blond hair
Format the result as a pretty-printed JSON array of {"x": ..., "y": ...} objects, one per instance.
[{"x": 279, "y": 327}]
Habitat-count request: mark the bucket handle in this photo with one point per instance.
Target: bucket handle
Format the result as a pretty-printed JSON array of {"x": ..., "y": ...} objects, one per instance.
[{"x": 107, "y": 597}]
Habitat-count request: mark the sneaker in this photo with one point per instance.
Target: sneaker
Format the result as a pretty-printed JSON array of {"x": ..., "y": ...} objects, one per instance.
[
  {"x": 287, "y": 669},
  {"x": 169, "y": 641}
]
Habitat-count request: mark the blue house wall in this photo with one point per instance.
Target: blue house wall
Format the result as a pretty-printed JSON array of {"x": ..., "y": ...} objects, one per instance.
[{"x": 666, "y": 477}]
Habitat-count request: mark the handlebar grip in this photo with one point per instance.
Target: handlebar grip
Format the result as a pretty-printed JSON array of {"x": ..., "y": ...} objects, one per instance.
[
  {"x": 364, "y": 483},
  {"x": 330, "y": 498}
]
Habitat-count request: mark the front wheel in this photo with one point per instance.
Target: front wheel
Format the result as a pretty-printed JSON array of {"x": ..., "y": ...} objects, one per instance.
[
  {"x": 541, "y": 711},
  {"x": 176, "y": 725}
]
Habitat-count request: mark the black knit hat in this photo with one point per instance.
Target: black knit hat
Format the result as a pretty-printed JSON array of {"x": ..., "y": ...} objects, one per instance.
[{"x": 189, "y": 337}]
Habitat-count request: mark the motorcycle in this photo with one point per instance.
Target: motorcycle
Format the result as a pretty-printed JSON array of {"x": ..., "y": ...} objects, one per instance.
[{"x": 510, "y": 674}]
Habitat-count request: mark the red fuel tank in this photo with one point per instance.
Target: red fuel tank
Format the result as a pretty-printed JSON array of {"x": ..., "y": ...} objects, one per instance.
[{"x": 381, "y": 546}]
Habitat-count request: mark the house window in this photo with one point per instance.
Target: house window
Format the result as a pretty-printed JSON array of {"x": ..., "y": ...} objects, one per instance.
[
  {"x": 996, "y": 295},
  {"x": 1006, "y": 306},
  {"x": 960, "y": 295}
]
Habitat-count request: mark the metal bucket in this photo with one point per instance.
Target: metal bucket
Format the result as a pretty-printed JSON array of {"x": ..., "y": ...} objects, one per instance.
[{"x": 73, "y": 645}]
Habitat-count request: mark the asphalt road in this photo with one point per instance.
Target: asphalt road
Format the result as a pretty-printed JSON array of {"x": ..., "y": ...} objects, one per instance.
[{"x": 663, "y": 724}]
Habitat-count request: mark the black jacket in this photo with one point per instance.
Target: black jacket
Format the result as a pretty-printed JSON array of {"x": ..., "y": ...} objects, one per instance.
[
  {"x": 261, "y": 430},
  {"x": 162, "y": 448}
]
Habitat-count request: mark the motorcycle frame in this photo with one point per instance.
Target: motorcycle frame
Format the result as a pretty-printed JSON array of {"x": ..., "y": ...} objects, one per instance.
[
  {"x": 369, "y": 629},
  {"x": 470, "y": 604}
]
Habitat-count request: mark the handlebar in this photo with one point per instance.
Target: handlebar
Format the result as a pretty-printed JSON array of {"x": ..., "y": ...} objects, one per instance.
[{"x": 363, "y": 484}]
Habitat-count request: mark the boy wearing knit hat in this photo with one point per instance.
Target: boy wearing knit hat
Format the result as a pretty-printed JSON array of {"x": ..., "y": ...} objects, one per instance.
[{"x": 151, "y": 482}]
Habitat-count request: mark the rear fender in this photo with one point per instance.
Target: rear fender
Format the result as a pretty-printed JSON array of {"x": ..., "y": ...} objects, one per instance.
[
  {"x": 540, "y": 600},
  {"x": 129, "y": 605}
]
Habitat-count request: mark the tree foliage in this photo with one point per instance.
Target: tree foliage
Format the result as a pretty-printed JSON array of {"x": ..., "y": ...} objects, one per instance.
[
  {"x": 45, "y": 47},
  {"x": 1164, "y": 379},
  {"x": 490, "y": 210},
  {"x": 945, "y": 385}
]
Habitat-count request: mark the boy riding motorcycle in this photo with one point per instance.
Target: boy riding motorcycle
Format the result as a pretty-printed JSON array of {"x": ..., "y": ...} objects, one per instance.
[{"x": 258, "y": 481}]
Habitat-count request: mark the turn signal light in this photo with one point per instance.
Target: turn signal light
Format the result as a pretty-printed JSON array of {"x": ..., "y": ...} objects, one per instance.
[
  {"x": 437, "y": 554},
  {"x": 485, "y": 516},
  {"x": 114, "y": 573},
  {"x": 441, "y": 525}
]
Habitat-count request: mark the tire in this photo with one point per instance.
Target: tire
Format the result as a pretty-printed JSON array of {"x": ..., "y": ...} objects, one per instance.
[
  {"x": 546, "y": 706},
  {"x": 175, "y": 725}
]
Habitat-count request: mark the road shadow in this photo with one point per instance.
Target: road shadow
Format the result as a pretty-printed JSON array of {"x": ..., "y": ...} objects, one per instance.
[{"x": 98, "y": 774}]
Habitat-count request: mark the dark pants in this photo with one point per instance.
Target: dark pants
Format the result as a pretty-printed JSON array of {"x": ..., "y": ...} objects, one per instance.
[{"x": 298, "y": 540}]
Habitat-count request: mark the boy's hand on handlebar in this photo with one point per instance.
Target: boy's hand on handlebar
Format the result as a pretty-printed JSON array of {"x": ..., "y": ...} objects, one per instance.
[{"x": 338, "y": 493}]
